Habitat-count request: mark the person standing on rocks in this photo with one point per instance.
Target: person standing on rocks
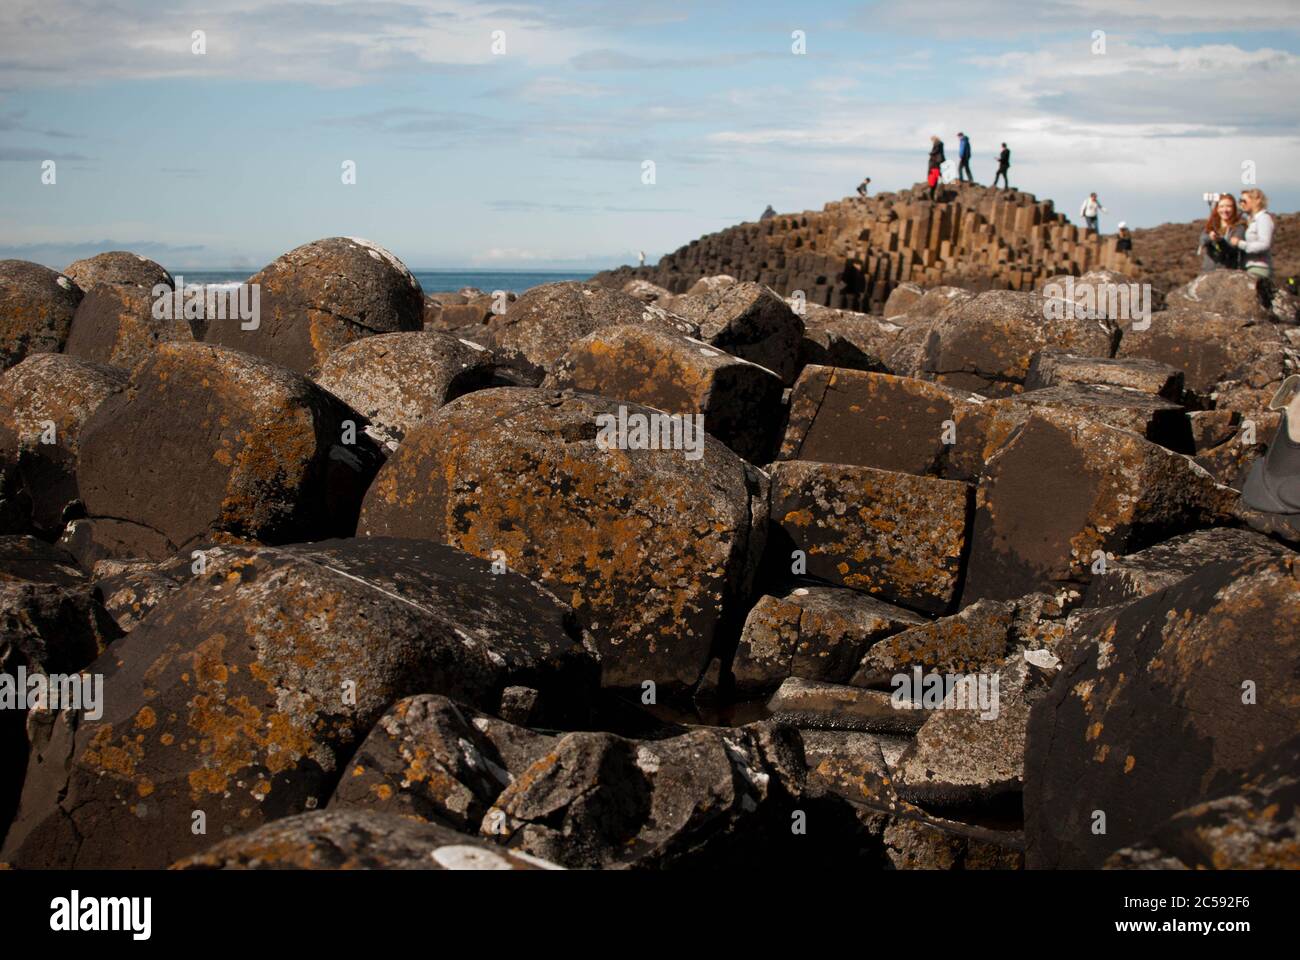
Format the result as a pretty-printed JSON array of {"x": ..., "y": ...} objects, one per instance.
[
  {"x": 963, "y": 155},
  {"x": 1090, "y": 211},
  {"x": 937, "y": 158},
  {"x": 1217, "y": 250},
  {"x": 1004, "y": 164},
  {"x": 1256, "y": 245}
]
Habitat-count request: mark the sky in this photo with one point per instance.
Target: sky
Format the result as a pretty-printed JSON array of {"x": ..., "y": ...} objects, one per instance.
[{"x": 517, "y": 135}]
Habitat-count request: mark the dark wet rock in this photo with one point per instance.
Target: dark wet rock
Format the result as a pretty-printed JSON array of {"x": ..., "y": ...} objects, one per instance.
[
  {"x": 519, "y": 476},
  {"x": 833, "y": 706},
  {"x": 973, "y": 639},
  {"x": 429, "y": 758},
  {"x": 116, "y": 325},
  {"x": 1254, "y": 827},
  {"x": 322, "y": 296},
  {"x": 357, "y": 840},
  {"x": 117, "y": 268},
  {"x": 707, "y": 798},
  {"x": 1160, "y": 566},
  {"x": 36, "y": 309},
  {"x": 246, "y": 692},
  {"x": 818, "y": 633},
  {"x": 1064, "y": 490},
  {"x": 888, "y": 422},
  {"x": 750, "y": 321},
  {"x": 397, "y": 380},
  {"x": 1165, "y": 701},
  {"x": 48, "y": 397},
  {"x": 212, "y": 440},
  {"x": 895, "y": 536},
  {"x": 544, "y": 322},
  {"x": 986, "y": 344},
  {"x": 1051, "y": 368},
  {"x": 740, "y": 401}
]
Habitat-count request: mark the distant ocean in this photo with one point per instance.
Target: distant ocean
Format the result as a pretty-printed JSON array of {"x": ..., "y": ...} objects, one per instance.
[{"x": 512, "y": 281}]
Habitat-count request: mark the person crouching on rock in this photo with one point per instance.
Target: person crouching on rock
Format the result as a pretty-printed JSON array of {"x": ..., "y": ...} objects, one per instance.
[
  {"x": 1256, "y": 244},
  {"x": 864, "y": 186},
  {"x": 1123, "y": 238},
  {"x": 1217, "y": 249}
]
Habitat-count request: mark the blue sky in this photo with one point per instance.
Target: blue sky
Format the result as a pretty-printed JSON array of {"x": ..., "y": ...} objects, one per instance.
[{"x": 533, "y": 158}]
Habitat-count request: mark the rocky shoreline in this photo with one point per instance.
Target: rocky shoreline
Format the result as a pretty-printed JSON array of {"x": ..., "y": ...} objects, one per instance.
[{"x": 369, "y": 578}]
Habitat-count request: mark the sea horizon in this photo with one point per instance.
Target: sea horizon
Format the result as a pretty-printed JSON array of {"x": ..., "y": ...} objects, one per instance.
[{"x": 437, "y": 280}]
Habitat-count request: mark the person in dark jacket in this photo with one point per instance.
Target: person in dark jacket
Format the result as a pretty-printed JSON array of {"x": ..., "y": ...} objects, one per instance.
[
  {"x": 935, "y": 171},
  {"x": 936, "y": 154},
  {"x": 1225, "y": 224},
  {"x": 1123, "y": 238},
  {"x": 1004, "y": 164},
  {"x": 963, "y": 156}
]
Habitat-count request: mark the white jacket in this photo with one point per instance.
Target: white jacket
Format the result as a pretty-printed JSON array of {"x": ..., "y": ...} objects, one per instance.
[
  {"x": 1090, "y": 208},
  {"x": 1258, "y": 244}
]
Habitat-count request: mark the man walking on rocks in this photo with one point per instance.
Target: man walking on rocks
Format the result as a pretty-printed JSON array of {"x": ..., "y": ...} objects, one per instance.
[
  {"x": 1004, "y": 164},
  {"x": 1090, "y": 211},
  {"x": 963, "y": 156}
]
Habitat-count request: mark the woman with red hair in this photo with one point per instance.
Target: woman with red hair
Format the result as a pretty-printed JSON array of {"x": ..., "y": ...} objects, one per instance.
[{"x": 1225, "y": 224}]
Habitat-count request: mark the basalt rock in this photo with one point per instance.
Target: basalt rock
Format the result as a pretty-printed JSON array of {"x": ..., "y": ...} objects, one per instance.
[
  {"x": 1208, "y": 347},
  {"x": 246, "y": 692},
  {"x": 210, "y": 440},
  {"x": 1166, "y": 701},
  {"x": 1065, "y": 489},
  {"x": 740, "y": 401},
  {"x": 320, "y": 297},
  {"x": 398, "y": 380},
  {"x": 115, "y": 324},
  {"x": 117, "y": 268},
  {"x": 833, "y": 706},
  {"x": 896, "y": 536},
  {"x": 434, "y": 760},
  {"x": 973, "y": 639},
  {"x": 750, "y": 321},
  {"x": 883, "y": 421},
  {"x": 357, "y": 840},
  {"x": 707, "y": 798},
  {"x": 543, "y": 323},
  {"x": 1157, "y": 420},
  {"x": 36, "y": 310},
  {"x": 1170, "y": 562},
  {"x": 1254, "y": 827},
  {"x": 1051, "y": 368},
  {"x": 45, "y": 403},
  {"x": 986, "y": 344},
  {"x": 650, "y": 548},
  {"x": 817, "y": 633},
  {"x": 1232, "y": 293}
]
